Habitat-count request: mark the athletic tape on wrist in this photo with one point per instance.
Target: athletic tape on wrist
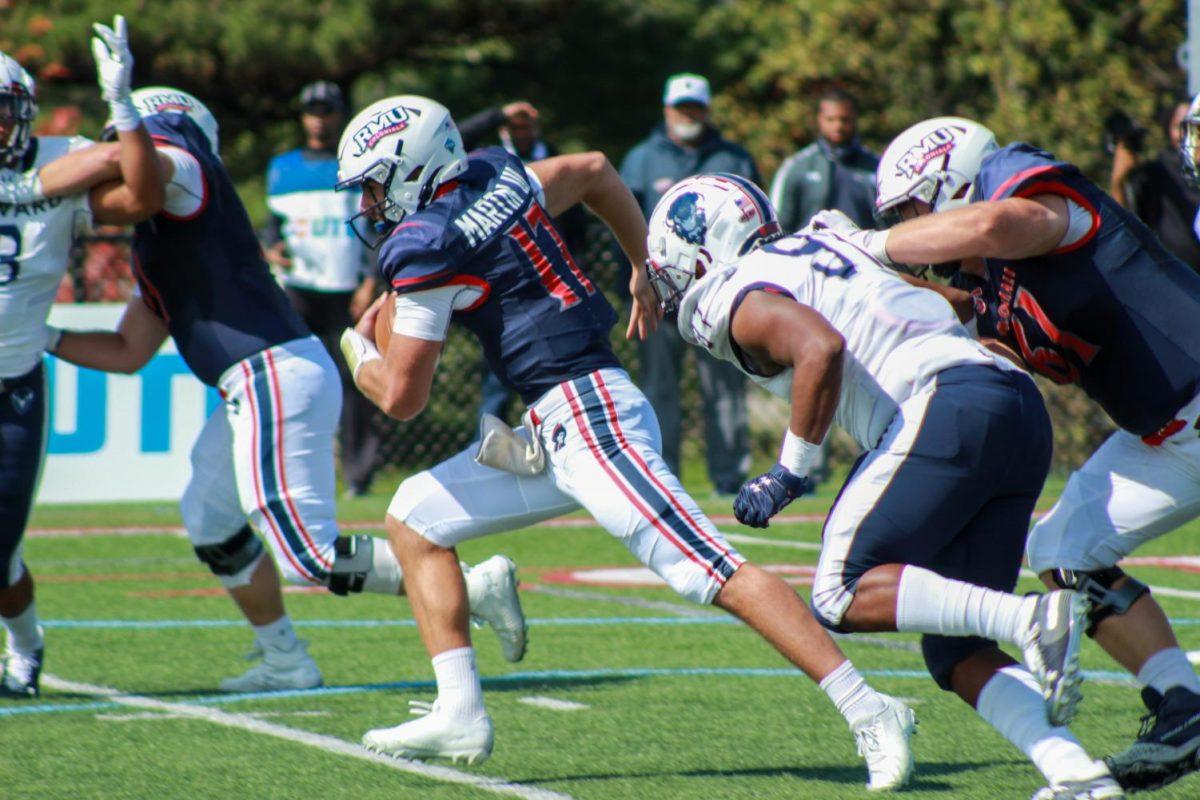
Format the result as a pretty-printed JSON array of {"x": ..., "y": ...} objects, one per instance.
[
  {"x": 357, "y": 350},
  {"x": 797, "y": 455}
]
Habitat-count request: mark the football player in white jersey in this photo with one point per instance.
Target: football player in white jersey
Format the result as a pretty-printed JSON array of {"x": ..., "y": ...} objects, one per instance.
[
  {"x": 928, "y": 532},
  {"x": 35, "y": 244}
]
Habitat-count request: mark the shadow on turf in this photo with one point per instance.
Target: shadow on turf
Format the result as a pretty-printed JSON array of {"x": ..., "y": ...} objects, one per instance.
[{"x": 924, "y": 779}]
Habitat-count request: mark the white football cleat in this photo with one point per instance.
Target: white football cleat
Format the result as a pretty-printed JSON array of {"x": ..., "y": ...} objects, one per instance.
[
  {"x": 276, "y": 670},
  {"x": 435, "y": 735},
  {"x": 883, "y": 742},
  {"x": 1102, "y": 786},
  {"x": 492, "y": 593},
  {"x": 1051, "y": 652}
]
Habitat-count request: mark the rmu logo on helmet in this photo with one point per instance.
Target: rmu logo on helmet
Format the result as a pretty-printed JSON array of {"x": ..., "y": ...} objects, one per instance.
[
  {"x": 167, "y": 101},
  {"x": 685, "y": 218},
  {"x": 934, "y": 145},
  {"x": 393, "y": 120}
]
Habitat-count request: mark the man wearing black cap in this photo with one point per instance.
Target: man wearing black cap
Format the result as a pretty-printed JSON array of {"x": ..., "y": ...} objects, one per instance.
[{"x": 325, "y": 269}]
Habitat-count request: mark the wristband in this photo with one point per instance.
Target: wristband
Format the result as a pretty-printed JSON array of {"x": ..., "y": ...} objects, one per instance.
[
  {"x": 797, "y": 455},
  {"x": 357, "y": 350},
  {"x": 875, "y": 243},
  {"x": 124, "y": 115},
  {"x": 53, "y": 338}
]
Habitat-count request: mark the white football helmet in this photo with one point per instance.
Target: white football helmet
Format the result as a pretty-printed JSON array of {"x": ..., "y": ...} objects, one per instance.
[
  {"x": 936, "y": 161},
  {"x": 407, "y": 144},
  {"x": 1189, "y": 144},
  {"x": 167, "y": 100},
  {"x": 702, "y": 223},
  {"x": 18, "y": 104}
]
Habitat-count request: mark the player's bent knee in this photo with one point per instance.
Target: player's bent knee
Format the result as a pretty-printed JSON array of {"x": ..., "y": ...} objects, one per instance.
[
  {"x": 364, "y": 564},
  {"x": 234, "y": 560},
  {"x": 943, "y": 653},
  {"x": 1105, "y": 598}
]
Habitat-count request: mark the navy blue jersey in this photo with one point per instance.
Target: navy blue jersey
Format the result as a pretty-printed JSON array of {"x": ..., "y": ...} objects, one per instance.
[
  {"x": 540, "y": 320},
  {"x": 205, "y": 275},
  {"x": 1114, "y": 312}
]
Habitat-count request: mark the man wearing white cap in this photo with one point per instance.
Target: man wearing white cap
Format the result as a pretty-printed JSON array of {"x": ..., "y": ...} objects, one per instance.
[{"x": 687, "y": 144}]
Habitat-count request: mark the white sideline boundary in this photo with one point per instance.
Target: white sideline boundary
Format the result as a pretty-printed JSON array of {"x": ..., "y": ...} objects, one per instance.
[{"x": 329, "y": 744}]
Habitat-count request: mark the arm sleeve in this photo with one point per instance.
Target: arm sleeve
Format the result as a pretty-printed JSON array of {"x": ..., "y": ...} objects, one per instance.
[
  {"x": 426, "y": 314},
  {"x": 186, "y": 192},
  {"x": 476, "y": 127}
]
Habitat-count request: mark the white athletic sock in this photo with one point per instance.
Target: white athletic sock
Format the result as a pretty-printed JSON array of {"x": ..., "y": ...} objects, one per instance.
[
  {"x": 1011, "y": 702},
  {"x": 854, "y": 698},
  {"x": 277, "y": 635},
  {"x": 1167, "y": 669},
  {"x": 459, "y": 691},
  {"x": 24, "y": 633},
  {"x": 928, "y": 603}
]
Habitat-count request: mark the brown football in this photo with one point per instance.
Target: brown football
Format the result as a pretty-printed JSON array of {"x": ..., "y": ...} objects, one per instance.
[{"x": 383, "y": 322}]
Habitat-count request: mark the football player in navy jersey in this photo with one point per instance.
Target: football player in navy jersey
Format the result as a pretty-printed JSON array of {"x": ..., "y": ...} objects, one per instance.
[
  {"x": 264, "y": 462},
  {"x": 1078, "y": 290},
  {"x": 469, "y": 237}
]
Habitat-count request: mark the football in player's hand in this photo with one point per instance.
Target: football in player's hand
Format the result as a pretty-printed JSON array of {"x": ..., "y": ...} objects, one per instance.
[{"x": 383, "y": 321}]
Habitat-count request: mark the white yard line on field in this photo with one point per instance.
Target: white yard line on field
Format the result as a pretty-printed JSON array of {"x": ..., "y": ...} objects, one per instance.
[
  {"x": 329, "y": 744},
  {"x": 553, "y": 703}
]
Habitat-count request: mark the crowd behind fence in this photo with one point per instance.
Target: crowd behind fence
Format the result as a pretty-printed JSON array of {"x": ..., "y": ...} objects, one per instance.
[{"x": 100, "y": 273}]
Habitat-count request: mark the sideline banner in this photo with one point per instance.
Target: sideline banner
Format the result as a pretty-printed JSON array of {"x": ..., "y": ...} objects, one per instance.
[{"x": 119, "y": 437}]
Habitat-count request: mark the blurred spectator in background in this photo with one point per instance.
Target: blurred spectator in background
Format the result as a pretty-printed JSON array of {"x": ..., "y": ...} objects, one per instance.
[
  {"x": 687, "y": 144},
  {"x": 327, "y": 272},
  {"x": 835, "y": 171},
  {"x": 519, "y": 131},
  {"x": 1156, "y": 191}
]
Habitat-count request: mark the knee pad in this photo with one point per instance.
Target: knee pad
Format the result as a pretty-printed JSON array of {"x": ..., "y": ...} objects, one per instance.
[
  {"x": 233, "y": 559},
  {"x": 364, "y": 564},
  {"x": 943, "y": 653},
  {"x": 1097, "y": 587}
]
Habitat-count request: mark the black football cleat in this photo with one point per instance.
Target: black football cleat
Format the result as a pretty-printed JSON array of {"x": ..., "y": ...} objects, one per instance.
[{"x": 1168, "y": 744}]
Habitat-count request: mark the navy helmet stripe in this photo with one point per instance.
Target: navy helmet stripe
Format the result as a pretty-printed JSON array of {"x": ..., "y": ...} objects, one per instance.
[
  {"x": 615, "y": 452},
  {"x": 274, "y": 504},
  {"x": 757, "y": 196}
]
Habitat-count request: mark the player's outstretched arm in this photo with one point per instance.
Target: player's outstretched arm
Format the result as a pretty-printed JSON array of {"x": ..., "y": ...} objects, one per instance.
[
  {"x": 1015, "y": 227},
  {"x": 137, "y": 338},
  {"x": 591, "y": 179},
  {"x": 776, "y": 332},
  {"x": 139, "y": 192}
]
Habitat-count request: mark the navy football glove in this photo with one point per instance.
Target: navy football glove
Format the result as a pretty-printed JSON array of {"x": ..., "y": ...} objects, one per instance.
[{"x": 765, "y": 496}]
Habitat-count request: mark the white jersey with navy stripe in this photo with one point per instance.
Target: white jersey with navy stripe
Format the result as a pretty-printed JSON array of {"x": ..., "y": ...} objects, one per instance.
[
  {"x": 35, "y": 248},
  {"x": 898, "y": 337}
]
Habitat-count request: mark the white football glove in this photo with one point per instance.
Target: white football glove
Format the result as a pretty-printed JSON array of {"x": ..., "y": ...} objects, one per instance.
[
  {"x": 114, "y": 71},
  {"x": 500, "y": 447},
  {"x": 873, "y": 242}
]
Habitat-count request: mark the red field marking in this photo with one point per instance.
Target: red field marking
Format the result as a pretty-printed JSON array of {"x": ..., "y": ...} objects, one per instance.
[
  {"x": 629, "y": 576},
  {"x": 217, "y": 591},
  {"x": 116, "y": 577}
]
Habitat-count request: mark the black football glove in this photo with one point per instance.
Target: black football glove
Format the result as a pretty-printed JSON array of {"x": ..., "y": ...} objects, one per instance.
[{"x": 765, "y": 496}]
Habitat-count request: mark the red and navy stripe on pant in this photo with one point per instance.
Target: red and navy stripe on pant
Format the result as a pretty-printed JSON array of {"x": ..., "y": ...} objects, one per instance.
[
  {"x": 595, "y": 415},
  {"x": 272, "y": 495}
]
